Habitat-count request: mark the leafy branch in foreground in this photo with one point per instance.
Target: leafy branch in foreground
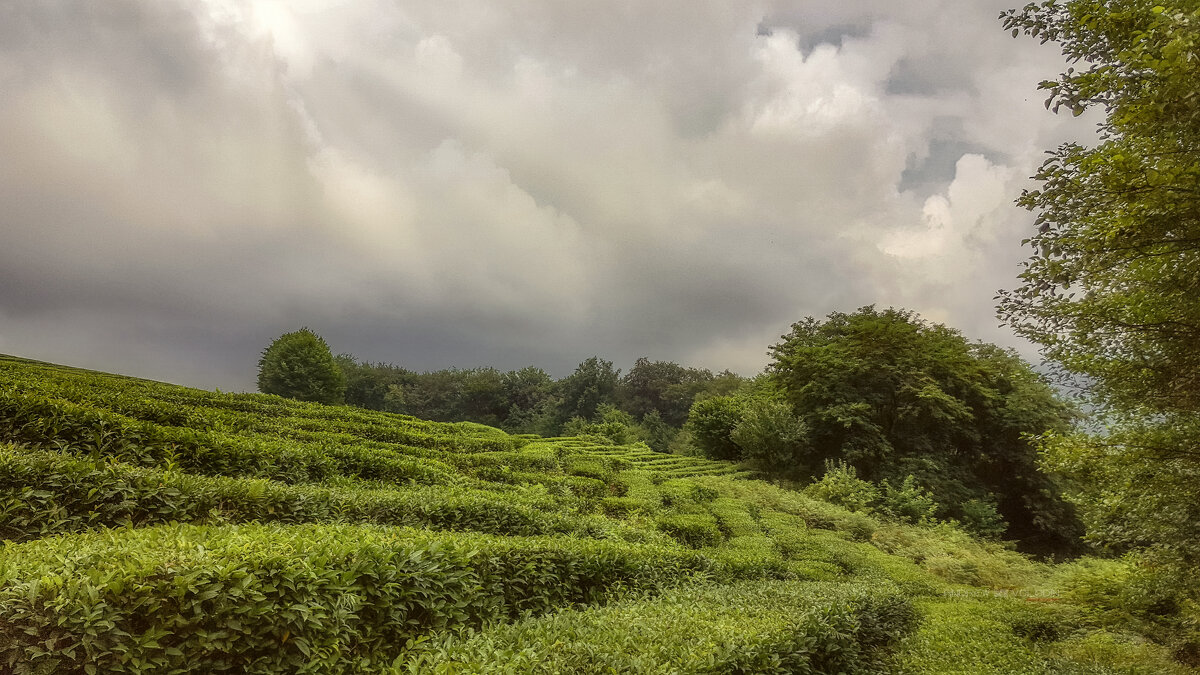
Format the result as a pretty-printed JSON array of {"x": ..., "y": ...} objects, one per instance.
[{"x": 1110, "y": 291}]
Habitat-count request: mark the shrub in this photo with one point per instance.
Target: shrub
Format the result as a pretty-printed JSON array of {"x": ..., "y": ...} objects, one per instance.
[
  {"x": 771, "y": 436},
  {"x": 288, "y": 599},
  {"x": 734, "y": 517},
  {"x": 908, "y": 503},
  {"x": 54, "y": 423},
  {"x": 44, "y": 493},
  {"x": 711, "y": 423},
  {"x": 300, "y": 365},
  {"x": 980, "y": 517},
  {"x": 841, "y": 486},
  {"x": 695, "y": 530},
  {"x": 764, "y": 627}
]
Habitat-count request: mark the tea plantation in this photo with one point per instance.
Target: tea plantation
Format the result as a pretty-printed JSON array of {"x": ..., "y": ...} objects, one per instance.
[{"x": 153, "y": 528}]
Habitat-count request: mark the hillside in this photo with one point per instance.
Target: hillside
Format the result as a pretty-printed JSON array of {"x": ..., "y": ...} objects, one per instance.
[{"x": 154, "y": 528}]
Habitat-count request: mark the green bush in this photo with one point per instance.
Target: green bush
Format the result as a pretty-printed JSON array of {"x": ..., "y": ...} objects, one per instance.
[
  {"x": 300, "y": 365},
  {"x": 1139, "y": 593},
  {"x": 711, "y": 423},
  {"x": 908, "y": 502},
  {"x": 624, "y": 507},
  {"x": 981, "y": 517},
  {"x": 586, "y": 488},
  {"x": 766, "y": 627},
  {"x": 55, "y": 423},
  {"x": 772, "y": 437},
  {"x": 695, "y": 530},
  {"x": 258, "y": 598},
  {"x": 44, "y": 493},
  {"x": 734, "y": 517},
  {"x": 841, "y": 486},
  {"x": 588, "y": 468},
  {"x": 750, "y": 557}
]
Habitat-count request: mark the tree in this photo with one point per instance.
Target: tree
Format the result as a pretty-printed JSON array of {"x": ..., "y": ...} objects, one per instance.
[
  {"x": 531, "y": 403},
  {"x": 895, "y": 396},
  {"x": 593, "y": 384},
  {"x": 300, "y": 365},
  {"x": 1110, "y": 290},
  {"x": 711, "y": 423},
  {"x": 368, "y": 384},
  {"x": 662, "y": 386},
  {"x": 770, "y": 436}
]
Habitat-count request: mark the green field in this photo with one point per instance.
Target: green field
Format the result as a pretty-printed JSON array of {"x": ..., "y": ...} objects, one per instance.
[{"x": 154, "y": 528}]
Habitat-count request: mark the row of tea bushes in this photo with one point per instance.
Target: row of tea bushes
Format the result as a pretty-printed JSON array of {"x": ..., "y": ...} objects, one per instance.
[
  {"x": 270, "y": 598},
  {"x": 761, "y": 627},
  {"x": 45, "y": 493},
  {"x": 169, "y": 405},
  {"x": 56, "y": 423}
]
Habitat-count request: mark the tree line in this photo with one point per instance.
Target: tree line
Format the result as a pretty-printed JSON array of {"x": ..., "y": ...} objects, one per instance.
[{"x": 939, "y": 426}]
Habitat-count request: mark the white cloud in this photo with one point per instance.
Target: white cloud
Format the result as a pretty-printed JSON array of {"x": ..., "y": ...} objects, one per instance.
[{"x": 536, "y": 181}]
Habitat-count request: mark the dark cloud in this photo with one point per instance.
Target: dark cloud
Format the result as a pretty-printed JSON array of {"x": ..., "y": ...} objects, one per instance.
[{"x": 452, "y": 184}]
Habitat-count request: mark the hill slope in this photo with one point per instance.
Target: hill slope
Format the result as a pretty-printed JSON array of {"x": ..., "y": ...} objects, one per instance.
[{"x": 155, "y": 528}]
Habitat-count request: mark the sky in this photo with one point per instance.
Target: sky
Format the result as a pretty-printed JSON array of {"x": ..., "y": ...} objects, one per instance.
[{"x": 459, "y": 184}]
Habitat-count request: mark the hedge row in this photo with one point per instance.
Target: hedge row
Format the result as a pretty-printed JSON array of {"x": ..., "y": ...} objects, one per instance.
[
  {"x": 45, "y": 493},
  {"x": 764, "y": 627},
  {"x": 171, "y": 405},
  {"x": 269, "y": 598},
  {"x": 55, "y": 423}
]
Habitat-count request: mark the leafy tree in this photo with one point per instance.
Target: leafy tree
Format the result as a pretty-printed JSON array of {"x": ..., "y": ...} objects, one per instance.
[
  {"x": 658, "y": 434},
  {"x": 612, "y": 423},
  {"x": 711, "y": 423},
  {"x": 300, "y": 365},
  {"x": 593, "y": 384},
  {"x": 770, "y": 435},
  {"x": 1110, "y": 291},
  {"x": 893, "y": 396},
  {"x": 529, "y": 393},
  {"x": 482, "y": 397},
  {"x": 662, "y": 386},
  {"x": 368, "y": 384},
  {"x": 434, "y": 395}
]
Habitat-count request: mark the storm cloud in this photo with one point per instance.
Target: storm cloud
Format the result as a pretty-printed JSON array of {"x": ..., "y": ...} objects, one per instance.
[{"x": 452, "y": 183}]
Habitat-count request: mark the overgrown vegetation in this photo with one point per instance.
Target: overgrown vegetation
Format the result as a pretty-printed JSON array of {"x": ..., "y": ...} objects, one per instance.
[{"x": 153, "y": 528}]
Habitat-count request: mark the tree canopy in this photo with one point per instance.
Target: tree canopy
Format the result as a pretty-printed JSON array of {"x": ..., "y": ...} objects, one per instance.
[{"x": 893, "y": 396}]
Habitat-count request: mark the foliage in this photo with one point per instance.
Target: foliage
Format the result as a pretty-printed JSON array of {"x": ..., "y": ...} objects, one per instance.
[
  {"x": 1110, "y": 290},
  {"x": 98, "y": 473},
  {"x": 271, "y": 599},
  {"x": 1137, "y": 592},
  {"x": 841, "y": 485},
  {"x": 980, "y": 517},
  {"x": 894, "y": 396},
  {"x": 657, "y": 433},
  {"x": 907, "y": 502},
  {"x": 747, "y": 628},
  {"x": 45, "y": 493},
  {"x": 711, "y": 422},
  {"x": 593, "y": 384},
  {"x": 770, "y": 436},
  {"x": 299, "y": 365},
  {"x": 662, "y": 387},
  {"x": 612, "y": 424}
]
